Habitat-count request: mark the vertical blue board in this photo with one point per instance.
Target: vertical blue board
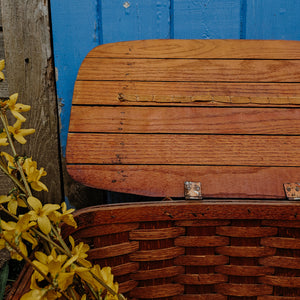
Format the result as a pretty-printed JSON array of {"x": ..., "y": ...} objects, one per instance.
[
  {"x": 134, "y": 19},
  {"x": 273, "y": 19},
  {"x": 75, "y": 32},
  {"x": 207, "y": 19}
]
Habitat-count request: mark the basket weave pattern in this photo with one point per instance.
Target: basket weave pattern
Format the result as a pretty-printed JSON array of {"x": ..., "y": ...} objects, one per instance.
[{"x": 200, "y": 258}]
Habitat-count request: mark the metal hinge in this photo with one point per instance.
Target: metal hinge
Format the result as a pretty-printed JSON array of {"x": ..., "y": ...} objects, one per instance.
[
  {"x": 192, "y": 190},
  {"x": 292, "y": 190}
]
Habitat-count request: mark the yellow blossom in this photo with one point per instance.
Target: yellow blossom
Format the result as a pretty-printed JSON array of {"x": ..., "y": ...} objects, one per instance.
[
  {"x": 11, "y": 162},
  {"x": 15, "y": 232},
  {"x": 13, "y": 202},
  {"x": 17, "y": 108},
  {"x": 56, "y": 266},
  {"x": 40, "y": 213},
  {"x": 34, "y": 175},
  {"x": 66, "y": 216},
  {"x": 3, "y": 139},
  {"x": 19, "y": 133},
  {"x": 36, "y": 294},
  {"x": 79, "y": 251},
  {"x": 106, "y": 275},
  {"x": 2, "y": 66}
]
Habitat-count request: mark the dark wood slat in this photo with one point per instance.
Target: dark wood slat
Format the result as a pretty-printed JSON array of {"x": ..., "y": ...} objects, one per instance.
[
  {"x": 172, "y": 149},
  {"x": 200, "y": 49},
  {"x": 185, "y": 120},
  {"x": 190, "y": 70},
  {"x": 161, "y": 181},
  {"x": 234, "y": 289},
  {"x": 107, "y": 92}
]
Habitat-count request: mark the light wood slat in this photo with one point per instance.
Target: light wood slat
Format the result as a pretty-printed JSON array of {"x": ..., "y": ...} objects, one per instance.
[
  {"x": 236, "y": 270},
  {"x": 127, "y": 286},
  {"x": 108, "y": 92},
  {"x": 201, "y": 241},
  {"x": 283, "y": 281},
  {"x": 190, "y": 70},
  {"x": 171, "y": 149},
  {"x": 200, "y": 49},
  {"x": 281, "y": 262},
  {"x": 201, "y": 260},
  {"x": 157, "y": 273},
  {"x": 125, "y": 269},
  {"x": 280, "y": 242},
  {"x": 234, "y": 231},
  {"x": 240, "y": 251},
  {"x": 185, "y": 120},
  {"x": 235, "y": 289},
  {"x": 217, "y": 182},
  {"x": 114, "y": 250},
  {"x": 156, "y": 234},
  {"x": 201, "y": 279},
  {"x": 157, "y": 291},
  {"x": 157, "y": 254}
]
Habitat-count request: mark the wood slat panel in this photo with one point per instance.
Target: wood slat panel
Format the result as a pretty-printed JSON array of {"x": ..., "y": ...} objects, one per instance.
[
  {"x": 127, "y": 286},
  {"x": 125, "y": 269},
  {"x": 251, "y": 49},
  {"x": 217, "y": 182},
  {"x": 190, "y": 70},
  {"x": 107, "y": 92},
  {"x": 171, "y": 149},
  {"x": 185, "y": 120}
]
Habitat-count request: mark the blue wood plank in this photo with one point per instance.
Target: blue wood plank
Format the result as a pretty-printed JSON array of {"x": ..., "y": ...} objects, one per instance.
[
  {"x": 134, "y": 19},
  {"x": 75, "y": 32},
  {"x": 207, "y": 19},
  {"x": 273, "y": 19}
]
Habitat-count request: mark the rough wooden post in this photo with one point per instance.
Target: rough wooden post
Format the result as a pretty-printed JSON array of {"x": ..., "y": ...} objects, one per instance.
[{"x": 30, "y": 72}]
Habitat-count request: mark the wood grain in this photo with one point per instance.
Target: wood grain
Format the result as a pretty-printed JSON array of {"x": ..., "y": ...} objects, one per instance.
[
  {"x": 194, "y": 70},
  {"x": 242, "y": 150},
  {"x": 217, "y": 181},
  {"x": 107, "y": 92},
  {"x": 185, "y": 120},
  {"x": 200, "y": 49},
  {"x": 30, "y": 72},
  {"x": 234, "y": 289}
]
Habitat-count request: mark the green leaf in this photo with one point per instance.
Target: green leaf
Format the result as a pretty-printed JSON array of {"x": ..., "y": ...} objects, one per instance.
[{"x": 3, "y": 279}]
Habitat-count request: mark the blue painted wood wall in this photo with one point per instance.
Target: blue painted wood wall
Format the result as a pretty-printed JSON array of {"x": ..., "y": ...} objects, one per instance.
[{"x": 80, "y": 25}]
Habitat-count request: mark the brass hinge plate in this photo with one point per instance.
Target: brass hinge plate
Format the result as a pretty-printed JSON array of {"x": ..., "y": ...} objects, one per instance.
[
  {"x": 192, "y": 190},
  {"x": 292, "y": 190}
]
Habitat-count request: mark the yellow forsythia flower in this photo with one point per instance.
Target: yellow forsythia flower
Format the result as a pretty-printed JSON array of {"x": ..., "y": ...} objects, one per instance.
[
  {"x": 40, "y": 213},
  {"x": 19, "y": 133},
  {"x": 2, "y": 66},
  {"x": 13, "y": 202},
  {"x": 17, "y": 108},
  {"x": 34, "y": 175},
  {"x": 10, "y": 162}
]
